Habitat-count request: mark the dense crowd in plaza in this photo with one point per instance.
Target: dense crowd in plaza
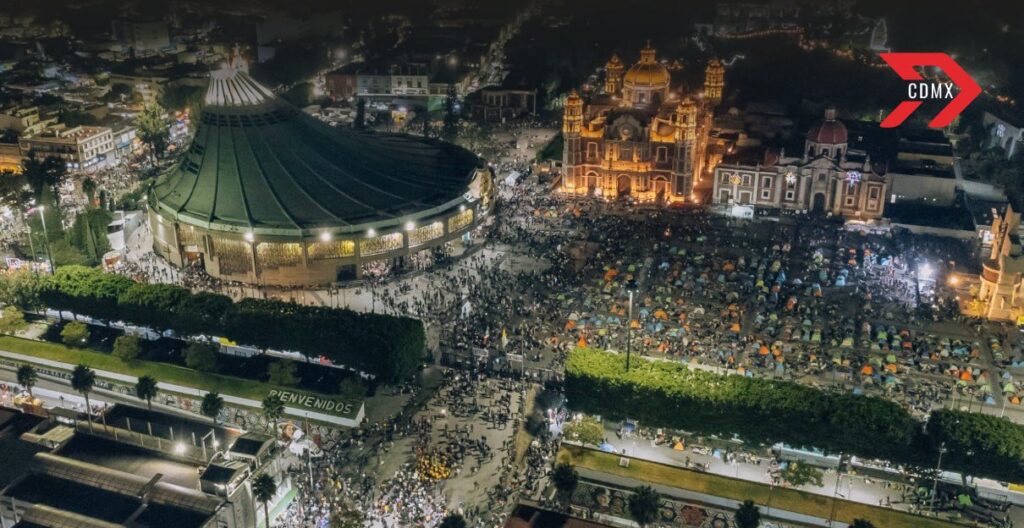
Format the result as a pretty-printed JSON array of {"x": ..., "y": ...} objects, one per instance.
[{"x": 813, "y": 302}]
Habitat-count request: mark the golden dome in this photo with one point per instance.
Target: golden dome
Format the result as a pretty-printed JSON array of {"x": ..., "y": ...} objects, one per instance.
[
  {"x": 647, "y": 75},
  {"x": 648, "y": 72}
]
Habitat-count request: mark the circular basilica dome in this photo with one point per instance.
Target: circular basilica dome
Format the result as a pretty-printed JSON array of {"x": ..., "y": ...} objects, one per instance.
[{"x": 647, "y": 73}]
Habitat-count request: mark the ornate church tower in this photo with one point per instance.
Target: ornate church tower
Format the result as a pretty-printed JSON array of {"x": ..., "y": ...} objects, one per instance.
[
  {"x": 685, "y": 118},
  {"x": 613, "y": 72},
  {"x": 572, "y": 154},
  {"x": 714, "y": 82}
]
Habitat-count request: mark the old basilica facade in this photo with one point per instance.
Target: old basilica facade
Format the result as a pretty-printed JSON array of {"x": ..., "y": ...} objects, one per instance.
[
  {"x": 827, "y": 177},
  {"x": 638, "y": 138}
]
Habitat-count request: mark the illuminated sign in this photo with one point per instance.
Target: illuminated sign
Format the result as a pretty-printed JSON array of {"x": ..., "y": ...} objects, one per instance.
[{"x": 343, "y": 408}]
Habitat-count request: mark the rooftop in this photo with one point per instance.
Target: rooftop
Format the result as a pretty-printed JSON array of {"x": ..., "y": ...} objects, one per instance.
[
  {"x": 259, "y": 164},
  {"x": 167, "y": 426},
  {"x": 130, "y": 459}
]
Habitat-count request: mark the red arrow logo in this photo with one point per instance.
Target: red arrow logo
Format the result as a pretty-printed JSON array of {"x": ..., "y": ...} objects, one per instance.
[{"x": 905, "y": 65}]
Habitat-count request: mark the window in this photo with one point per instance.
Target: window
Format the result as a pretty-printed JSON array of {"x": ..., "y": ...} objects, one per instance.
[
  {"x": 591, "y": 150},
  {"x": 790, "y": 195},
  {"x": 746, "y": 180},
  {"x": 724, "y": 178},
  {"x": 766, "y": 181},
  {"x": 662, "y": 154},
  {"x": 849, "y": 201},
  {"x": 873, "y": 193},
  {"x": 766, "y": 194},
  {"x": 821, "y": 177},
  {"x": 723, "y": 196}
]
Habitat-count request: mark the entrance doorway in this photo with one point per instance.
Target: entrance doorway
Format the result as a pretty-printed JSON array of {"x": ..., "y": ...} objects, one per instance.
[
  {"x": 818, "y": 205},
  {"x": 623, "y": 184}
]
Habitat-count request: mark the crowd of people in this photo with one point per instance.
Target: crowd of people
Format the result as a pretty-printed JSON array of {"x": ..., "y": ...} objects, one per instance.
[{"x": 813, "y": 302}]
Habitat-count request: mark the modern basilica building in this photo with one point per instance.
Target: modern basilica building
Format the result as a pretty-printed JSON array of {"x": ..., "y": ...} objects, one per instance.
[{"x": 268, "y": 195}]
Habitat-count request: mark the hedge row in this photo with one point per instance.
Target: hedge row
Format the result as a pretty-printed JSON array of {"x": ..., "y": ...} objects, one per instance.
[
  {"x": 387, "y": 346},
  {"x": 761, "y": 411}
]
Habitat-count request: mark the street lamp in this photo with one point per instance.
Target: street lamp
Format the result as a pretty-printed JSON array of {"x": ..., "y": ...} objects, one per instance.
[
  {"x": 835, "y": 493},
  {"x": 938, "y": 473},
  {"x": 630, "y": 287},
  {"x": 46, "y": 240}
]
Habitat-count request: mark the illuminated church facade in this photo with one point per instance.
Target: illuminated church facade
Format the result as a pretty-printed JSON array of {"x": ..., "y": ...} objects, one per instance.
[
  {"x": 638, "y": 138},
  {"x": 827, "y": 177}
]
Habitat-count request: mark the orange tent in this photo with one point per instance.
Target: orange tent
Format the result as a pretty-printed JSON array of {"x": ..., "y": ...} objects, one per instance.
[
  {"x": 891, "y": 367},
  {"x": 570, "y": 325},
  {"x": 763, "y": 350},
  {"x": 966, "y": 376},
  {"x": 867, "y": 370},
  {"x": 582, "y": 342},
  {"x": 735, "y": 328}
]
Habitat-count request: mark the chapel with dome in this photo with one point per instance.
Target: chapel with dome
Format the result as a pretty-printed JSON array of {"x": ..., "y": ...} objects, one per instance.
[
  {"x": 640, "y": 136},
  {"x": 827, "y": 177}
]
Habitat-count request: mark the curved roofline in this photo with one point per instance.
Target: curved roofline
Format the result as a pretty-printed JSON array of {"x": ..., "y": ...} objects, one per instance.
[
  {"x": 310, "y": 232},
  {"x": 259, "y": 165}
]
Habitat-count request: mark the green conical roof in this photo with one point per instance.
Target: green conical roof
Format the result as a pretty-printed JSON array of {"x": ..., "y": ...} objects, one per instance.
[{"x": 258, "y": 164}]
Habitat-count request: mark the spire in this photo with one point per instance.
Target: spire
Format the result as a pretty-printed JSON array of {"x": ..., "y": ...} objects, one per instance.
[{"x": 647, "y": 55}]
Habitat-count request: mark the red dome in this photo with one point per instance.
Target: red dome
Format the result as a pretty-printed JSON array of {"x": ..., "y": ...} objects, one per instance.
[{"x": 829, "y": 131}]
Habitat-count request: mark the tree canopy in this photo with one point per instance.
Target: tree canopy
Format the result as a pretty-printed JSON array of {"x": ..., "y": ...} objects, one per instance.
[
  {"x": 388, "y": 347},
  {"x": 643, "y": 505},
  {"x": 153, "y": 128},
  {"x": 747, "y": 515},
  {"x": 763, "y": 411}
]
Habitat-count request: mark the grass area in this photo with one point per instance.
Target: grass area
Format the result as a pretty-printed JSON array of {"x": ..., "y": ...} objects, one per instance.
[
  {"x": 782, "y": 498},
  {"x": 164, "y": 372}
]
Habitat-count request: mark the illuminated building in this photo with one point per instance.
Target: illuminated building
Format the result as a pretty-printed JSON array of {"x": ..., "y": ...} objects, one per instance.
[
  {"x": 268, "y": 195},
  {"x": 1002, "y": 273},
  {"x": 638, "y": 139},
  {"x": 714, "y": 82},
  {"x": 827, "y": 178}
]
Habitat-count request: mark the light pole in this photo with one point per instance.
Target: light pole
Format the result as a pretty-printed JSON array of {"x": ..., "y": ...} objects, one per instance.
[
  {"x": 32, "y": 248},
  {"x": 835, "y": 493},
  {"x": 938, "y": 471},
  {"x": 46, "y": 240},
  {"x": 630, "y": 287}
]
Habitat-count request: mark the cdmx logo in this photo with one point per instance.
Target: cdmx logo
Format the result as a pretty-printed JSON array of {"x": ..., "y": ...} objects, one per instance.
[{"x": 919, "y": 90}]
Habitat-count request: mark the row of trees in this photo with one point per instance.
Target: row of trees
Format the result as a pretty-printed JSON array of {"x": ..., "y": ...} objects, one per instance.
[
  {"x": 388, "y": 347},
  {"x": 665, "y": 394},
  {"x": 644, "y": 503}
]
